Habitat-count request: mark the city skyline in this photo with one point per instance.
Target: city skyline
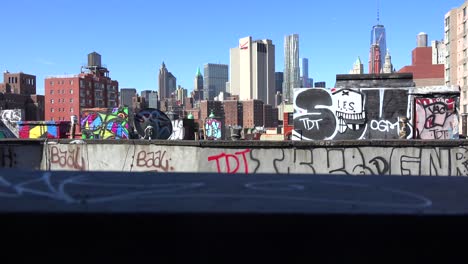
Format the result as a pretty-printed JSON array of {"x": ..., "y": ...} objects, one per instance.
[{"x": 134, "y": 48}]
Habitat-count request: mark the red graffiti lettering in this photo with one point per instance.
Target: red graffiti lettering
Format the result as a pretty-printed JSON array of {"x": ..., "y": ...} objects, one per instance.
[
  {"x": 231, "y": 161},
  {"x": 153, "y": 160},
  {"x": 67, "y": 158}
]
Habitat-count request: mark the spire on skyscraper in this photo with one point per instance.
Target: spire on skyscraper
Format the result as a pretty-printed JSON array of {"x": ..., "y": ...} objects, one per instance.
[{"x": 378, "y": 13}]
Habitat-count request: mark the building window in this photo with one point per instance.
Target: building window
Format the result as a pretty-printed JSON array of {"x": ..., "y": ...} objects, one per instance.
[
  {"x": 71, "y": 100},
  {"x": 51, "y": 83},
  {"x": 71, "y": 91},
  {"x": 464, "y": 81},
  {"x": 51, "y": 91},
  {"x": 465, "y": 109},
  {"x": 464, "y": 94},
  {"x": 52, "y": 110},
  {"x": 71, "y": 110}
]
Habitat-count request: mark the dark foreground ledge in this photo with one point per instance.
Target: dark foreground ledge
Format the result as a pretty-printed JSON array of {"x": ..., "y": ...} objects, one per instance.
[{"x": 243, "y": 218}]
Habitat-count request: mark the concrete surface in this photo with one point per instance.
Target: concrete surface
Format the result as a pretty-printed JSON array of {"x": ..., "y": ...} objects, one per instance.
[{"x": 367, "y": 157}]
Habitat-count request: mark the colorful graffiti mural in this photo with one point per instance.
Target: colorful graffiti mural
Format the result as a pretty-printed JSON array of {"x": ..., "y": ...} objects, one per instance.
[
  {"x": 105, "y": 123},
  {"x": 151, "y": 123},
  {"x": 44, "y": 129},
  {"x": 213, "y": 129},
  {"x": 436, "y": 118},
  {"x": 371, "y": 113}
]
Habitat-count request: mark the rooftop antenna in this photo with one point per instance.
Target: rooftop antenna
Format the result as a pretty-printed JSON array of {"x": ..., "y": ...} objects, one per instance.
[{"x": 378, "y": 13}]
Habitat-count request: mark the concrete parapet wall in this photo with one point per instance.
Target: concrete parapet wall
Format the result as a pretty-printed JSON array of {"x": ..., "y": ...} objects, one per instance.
[{"x": 379, "y": 157}]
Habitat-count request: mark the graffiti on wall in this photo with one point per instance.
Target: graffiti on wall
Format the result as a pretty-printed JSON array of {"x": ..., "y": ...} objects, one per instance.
[
  {"x": 348, "y": 161},
  {"x": 152, "y": 123},
  {"x": 44, "y": 129},
  {"x": 178, "y": 131},
  {"x": 213, "y": 129},
  {"x": 370, "y": 113},
  {"x": 105, "y": 123},
  {"x": 10, "y": 119},
  {"x": 436, "y": 118}
]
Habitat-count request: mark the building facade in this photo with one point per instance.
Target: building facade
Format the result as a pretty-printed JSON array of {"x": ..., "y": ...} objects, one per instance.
[
  {"x": 233, "y": 113},
  {"x": 252, "y": 70},
  {"x": 439, "y": 52},
  {"x": 279, "y": 78},
  {"x": 215, "y": 78},
  {"x": 456, "y": 42},
  {"x": 151, "y": 98},
  {"x": 126, "y": 96},
  {"x": 252, "y": 113},
  {"x": 18, "y": 83},
  {"x": 291, "y": 66},
  {"x": 66, "y": 95},
  {"x": 375, "y": 62}
]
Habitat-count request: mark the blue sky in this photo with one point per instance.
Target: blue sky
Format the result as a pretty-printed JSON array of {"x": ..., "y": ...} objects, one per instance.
[{"x": 53, "y": 37}]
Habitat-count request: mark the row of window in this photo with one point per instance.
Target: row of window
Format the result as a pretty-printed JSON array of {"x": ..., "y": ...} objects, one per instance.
[
  {"x": 52, "y": 110},
  {"x": 61, "y": 91},
  {"x": 60, "y": 82},
  {"x": 61, "y": 100}
]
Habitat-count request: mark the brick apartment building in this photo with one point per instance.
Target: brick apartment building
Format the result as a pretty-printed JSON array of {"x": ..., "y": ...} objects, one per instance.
[
  {"x": 233, "y": 113},
  {"x": 66, "y": 96},
  {"x": 270, "y": 116},
  {"x": 18, "y": 91},
  {"x": 252, "y": 113}
]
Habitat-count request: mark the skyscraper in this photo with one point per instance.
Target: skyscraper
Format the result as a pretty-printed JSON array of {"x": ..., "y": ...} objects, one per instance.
[
  {"x": 252, "y": 66},
  {"x": 279, "y": 82},
  {"x": 167, "y": 83},
  {"x": 198, "y": 93},
  {"x": 216, "y": 77},
  {"x": 291, "y": 66},
  {"x": 305, "y": 81},
  {"x": 378, "y": 38}
]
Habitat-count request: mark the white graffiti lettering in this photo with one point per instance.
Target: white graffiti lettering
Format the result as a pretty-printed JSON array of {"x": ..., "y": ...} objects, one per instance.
[
  {"x": 383, "y": 125},
  {"x": 311, "y": 124}
]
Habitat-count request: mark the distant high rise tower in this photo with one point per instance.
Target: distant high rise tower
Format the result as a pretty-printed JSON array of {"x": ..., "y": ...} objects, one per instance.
[
  {"x": 253, "y": 70},
  {"x": 306, "y": 82},
  {"x": 167, "y": 83},
  {"x": 388, "y": 66},
  {"x": 378, "y": 38},
  {"x": 279, "y": 82},
  {"x": 216, "y": 77},
  {"x": 291, "y": 66},
  {"x": 375, "y": 59},
  {"x": 198, "y": 92},
  {"x": 358, "y": 67}
]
